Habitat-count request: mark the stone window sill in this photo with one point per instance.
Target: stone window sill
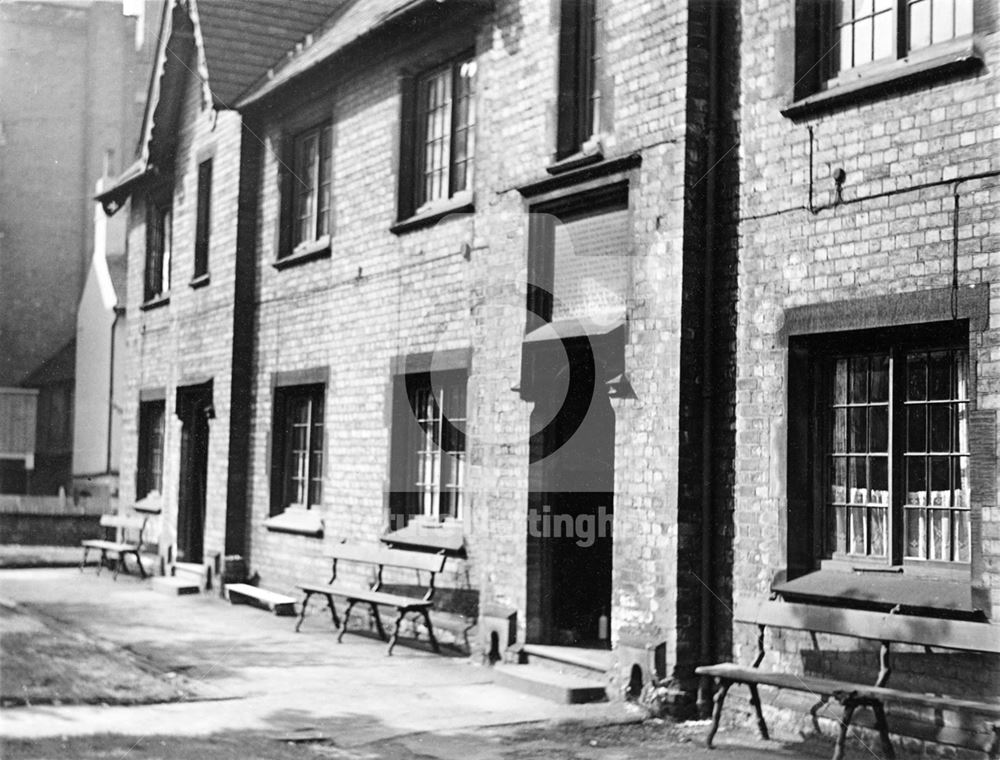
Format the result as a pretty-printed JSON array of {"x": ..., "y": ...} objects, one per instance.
[
  {"x": 932, "y": 64},
  {"x": 156, "y": 302},
  {"x": 304, "y": 252},
  {"x": 298, "y": 521},
  {"x": 200, "y": 281},
  {"x": 461, "y": 204}
]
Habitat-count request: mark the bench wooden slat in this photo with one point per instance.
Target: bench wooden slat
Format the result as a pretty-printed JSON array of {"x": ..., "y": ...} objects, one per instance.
[
  {"x": 123, "y": 521},
  {"x": 365, "y": 595},
  {"x": 875, "y": 626},
  {"x": 380, "y": 555},
  {"x": 111, "y": 546},
  {"x": 830, "y": 687}
]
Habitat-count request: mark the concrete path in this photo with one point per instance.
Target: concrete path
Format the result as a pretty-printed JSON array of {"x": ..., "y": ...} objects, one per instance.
[{"x": 254, "y": 674}]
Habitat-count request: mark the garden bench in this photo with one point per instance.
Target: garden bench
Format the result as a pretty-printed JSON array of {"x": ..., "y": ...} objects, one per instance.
[
  {"x": 886, "y": 628},
  {"x": 381, "y": 558},
  {"x": 123, "y": 536}
]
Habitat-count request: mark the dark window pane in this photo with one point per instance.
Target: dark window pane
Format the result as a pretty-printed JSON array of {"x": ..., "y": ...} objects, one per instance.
[
  {"x": 878, "y": 471},
  {"x": 858, "y": 429},
  {"x": 939, "y": 375},
  {"x": 858, "y": 380},
  {"x": 878, "y": 433},
  {"x": 880, "y": 378},
  {"x": 940, "y": 485},
  {"x": 916, "y": 377},
  {"x": 916, "y": 481},
  {"x": 940, "y": 427},
  {"x": 916, "y": 428}
]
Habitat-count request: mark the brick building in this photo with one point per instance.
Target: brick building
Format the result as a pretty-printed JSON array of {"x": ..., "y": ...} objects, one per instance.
[
  {"x": 867, "y": 375},
  {"x": 470, "y": 281}
]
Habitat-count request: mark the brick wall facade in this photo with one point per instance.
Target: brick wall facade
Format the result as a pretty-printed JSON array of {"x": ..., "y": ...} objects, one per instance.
[
  {"x": 188, "y": 340},
  {"x": 903, "y": 150}
]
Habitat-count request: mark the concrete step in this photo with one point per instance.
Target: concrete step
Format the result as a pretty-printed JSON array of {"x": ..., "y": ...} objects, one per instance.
[
  {"x": 592, "y": 664},
  {"x": 549, "y": 684},
  {"x": 244, "y": 593},
  {"x": 175, "y": 586},
  {"x": 193, "y": 572}
]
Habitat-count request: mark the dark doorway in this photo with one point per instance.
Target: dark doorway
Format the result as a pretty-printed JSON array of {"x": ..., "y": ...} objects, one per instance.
[
  {"x": 571, "y": 499},
  {"x": 194, "y": 408}
]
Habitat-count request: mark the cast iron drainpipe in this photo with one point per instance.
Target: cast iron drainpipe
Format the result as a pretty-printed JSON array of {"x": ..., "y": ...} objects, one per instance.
[
  {"x": 118, "y": 311},
  {"x": 708, "y": 377}
]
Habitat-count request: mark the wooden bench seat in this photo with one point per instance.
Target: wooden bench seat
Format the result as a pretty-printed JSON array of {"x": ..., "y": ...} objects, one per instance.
[
  {"x": 129, "y": 539},
  {"x": 886, "y": 628},
  {"x": 381, "y": 558}
]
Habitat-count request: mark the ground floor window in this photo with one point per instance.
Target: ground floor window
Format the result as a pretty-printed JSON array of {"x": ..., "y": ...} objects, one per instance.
[
  {"x": 297, "y": 447},
  {"x": 428, "y": 435},
  {"x": 149, "y": 473},
  {"x": 891, "y": 468}
]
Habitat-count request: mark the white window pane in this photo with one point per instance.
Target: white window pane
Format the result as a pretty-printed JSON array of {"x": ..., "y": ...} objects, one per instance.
[
  {"x": 942, "y": 21},
  {"x": 862, "y": 8},
  {"x": 863, "y": 42},
  {"x": 846, "y": 47},
  {"x": 885, "y": 36},
  {"x": 920, "y": 25},
  {"x": 963, "y": 17}
]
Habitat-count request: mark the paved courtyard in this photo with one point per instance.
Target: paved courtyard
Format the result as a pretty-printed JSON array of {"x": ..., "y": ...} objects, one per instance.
[{"x": 235, "y": 681}]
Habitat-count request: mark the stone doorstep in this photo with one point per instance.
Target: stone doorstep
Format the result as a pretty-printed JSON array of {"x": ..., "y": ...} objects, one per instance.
[
  {"x": 244, "y": 593},
  {"x": 200, "y": 574},
  {"x": 591, "y": 664},
  {"x": 549, "y": 684}
]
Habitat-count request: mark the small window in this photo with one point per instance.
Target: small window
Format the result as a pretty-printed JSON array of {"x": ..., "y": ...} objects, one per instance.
[
  {"x": 307, "y": 177},
  {"x": 429, "y": 446},
  {"x": 159, "y": 244},
  {"x": 311, "y": 185},
  {"x": 297, "y": 466},
  {"x": 149, "y": 473},
  {"x": 204, "y": 221},
  {"x": 895, "y": 480},
  {"x": 845, "y": 38},
  {"x": 579, "y": 71},
  {"x": 442, "y": 144}
]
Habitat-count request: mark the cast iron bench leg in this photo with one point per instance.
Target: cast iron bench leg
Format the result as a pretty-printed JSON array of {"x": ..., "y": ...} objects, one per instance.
[
  {"x": 333, "y": 611},
  {"x": 720, "y": 697},
  {"x": 302, "y": 614},
  {"x": 138, "y": 561},
  {"x": 378, "y": 621},
  {"x": 883, "y": 730},
  {"x": 849, "y": 706},
  {"x": 395, "y": 633},
  {"x": 430, "y": 630},
  {"x": 347, "y": 616},
  {"x": 755, "y": 701},
  {"x": 119, "y": 565}
]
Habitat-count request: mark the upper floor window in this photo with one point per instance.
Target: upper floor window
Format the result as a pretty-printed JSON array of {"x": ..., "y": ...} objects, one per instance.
[
  {"x": 204, "y": 220},
  {"x": 159, "y": 244},
  {"x": 306, "y": 180},
  {"x": 848, "y": 38},
  {"x": 439, "y": 137},
  {"x": 311, "y": 185},
  {"x": 579, "y": 71}
]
